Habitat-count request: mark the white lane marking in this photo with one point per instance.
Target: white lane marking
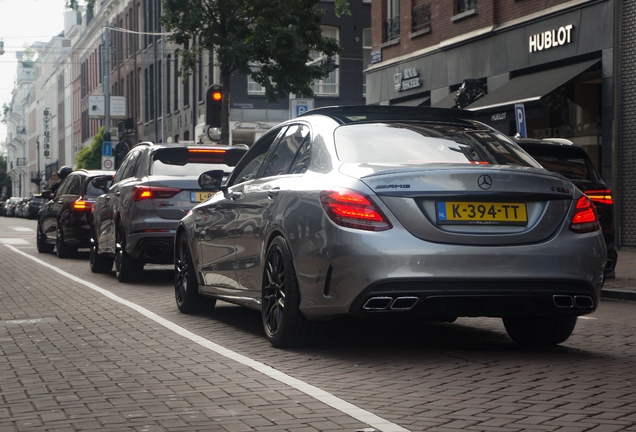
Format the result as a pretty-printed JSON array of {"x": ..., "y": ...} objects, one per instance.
[
  {"x": 310, "y": 390},
  {"x": 22, "y": 229},
  {"x": 13, "y": 241}
]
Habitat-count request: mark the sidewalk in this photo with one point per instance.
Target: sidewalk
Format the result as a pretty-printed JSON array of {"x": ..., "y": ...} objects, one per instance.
[{"x": 623, "y": 286}]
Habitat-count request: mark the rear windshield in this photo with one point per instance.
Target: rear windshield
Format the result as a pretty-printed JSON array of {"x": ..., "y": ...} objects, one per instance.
[
  {"x": 420, "y": 143},
  {"x": 92, "y": 191},
  {"x": 193, "y": 161},
  {"x": 569, "y": 162}
]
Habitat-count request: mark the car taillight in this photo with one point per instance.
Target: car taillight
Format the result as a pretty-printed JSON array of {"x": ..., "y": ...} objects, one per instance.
[
  {"x": 603, "y": 196},
  {"x": 585, "y": 218},
  {"x": 151, "y": 192},
  {"x": 83, "y": 205},
  {"x": 353, "y": 210}
]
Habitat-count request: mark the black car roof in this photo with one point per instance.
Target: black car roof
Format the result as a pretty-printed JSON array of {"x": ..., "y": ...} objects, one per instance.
[{"x": 365, "y": 113}]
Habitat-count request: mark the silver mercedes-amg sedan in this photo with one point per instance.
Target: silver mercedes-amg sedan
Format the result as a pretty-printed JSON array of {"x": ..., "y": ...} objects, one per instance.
[{"x": 388, "y": 211}]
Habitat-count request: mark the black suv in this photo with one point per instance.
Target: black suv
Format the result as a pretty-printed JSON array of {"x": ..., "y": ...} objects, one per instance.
[
  {"x": 573, "y": 162},
  {"x": 64, "y": 219}
]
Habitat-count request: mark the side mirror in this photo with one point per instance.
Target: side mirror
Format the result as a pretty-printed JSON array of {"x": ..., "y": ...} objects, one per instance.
[
  {"x": 102, "y": 182},
  {"x": 211, "y": 180},
  {"x": 46, "y": 194}
]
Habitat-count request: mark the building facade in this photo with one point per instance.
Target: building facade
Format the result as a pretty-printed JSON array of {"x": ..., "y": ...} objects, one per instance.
[{"x": 556, "y": 58}]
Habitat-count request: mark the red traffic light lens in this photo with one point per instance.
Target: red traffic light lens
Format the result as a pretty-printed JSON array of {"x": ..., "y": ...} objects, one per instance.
[{"x": 217, "y": 95}]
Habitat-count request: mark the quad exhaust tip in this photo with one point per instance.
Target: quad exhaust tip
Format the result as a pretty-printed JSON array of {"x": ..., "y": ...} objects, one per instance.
[{"x": 389, "y": 303}]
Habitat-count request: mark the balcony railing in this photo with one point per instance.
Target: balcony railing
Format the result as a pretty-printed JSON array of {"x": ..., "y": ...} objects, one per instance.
[
  {"x": 393, "y": 28},
  {"x": 20, "y": 130},
  {"x": 20, "y": 161},
  {"x": 421, "y": 17}
]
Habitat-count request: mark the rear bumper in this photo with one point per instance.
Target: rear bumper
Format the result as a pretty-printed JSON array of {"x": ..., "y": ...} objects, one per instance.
[
  {"x": 154, "y": 250},
  {"x": 491, "y": 298}
]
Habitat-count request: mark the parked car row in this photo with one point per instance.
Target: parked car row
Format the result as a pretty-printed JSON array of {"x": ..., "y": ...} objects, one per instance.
[
  {"x": 370, "y": 211},
  {"x": 22, "y": 207}
]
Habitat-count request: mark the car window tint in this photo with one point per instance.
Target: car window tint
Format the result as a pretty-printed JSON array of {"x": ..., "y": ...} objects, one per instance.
[
  {"x": 64, "y": 186},
  {"x": 248, "y": 167},
  {"x": 131, "y": 167},
  {"x": 283, "y": 155},
  {"x": 92, "y": 191},
  {"x": 119, "y": 175},
  {"x": 422, "y": 142},
  {"x": 303, "y": 157},
  {"x": 572, "y": 163},
  {"x": 74, "y": 185}
]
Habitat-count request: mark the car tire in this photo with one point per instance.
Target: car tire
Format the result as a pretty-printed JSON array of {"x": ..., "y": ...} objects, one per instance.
[
  {"x": 99, "y": 263},
  {"x": 285, "y": 326},
  {"x": 186, "y": 286},
  {"x": 42, "y": 245},
  {"x": 539, "y": 330},
  {"x": 127, "y": 269},
  {"x": 63, "y": 249}
]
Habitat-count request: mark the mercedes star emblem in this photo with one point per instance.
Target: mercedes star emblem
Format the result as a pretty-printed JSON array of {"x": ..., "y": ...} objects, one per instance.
[{"x": 484, "y": 182}]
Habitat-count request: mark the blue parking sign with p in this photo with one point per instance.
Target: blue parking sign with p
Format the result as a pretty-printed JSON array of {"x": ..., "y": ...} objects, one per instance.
[
  {"x": 520, "y": 118},
  {"x": 301, "y": 109}
]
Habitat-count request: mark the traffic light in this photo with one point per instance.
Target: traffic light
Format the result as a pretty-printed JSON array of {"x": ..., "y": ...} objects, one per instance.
[{"x": 213, "y": 104}]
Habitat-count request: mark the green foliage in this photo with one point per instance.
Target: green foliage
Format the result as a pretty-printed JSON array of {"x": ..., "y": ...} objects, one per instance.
[
  {"x": 5, "y": 115},
  {"x": 90, "y": 4},
  {"x": 4, "y": 178},
  {"x": 276, "y": 34},
  {"x": 91, "y": 157}
]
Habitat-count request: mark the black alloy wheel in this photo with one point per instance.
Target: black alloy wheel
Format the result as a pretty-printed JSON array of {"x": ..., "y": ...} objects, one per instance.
[
  {"x": 99, "y": 263},
  {"x": 186, "y": 287},
  {"x": 127, "y": 269},
  {"x": 42, "y": 245},
  {"x": 539, "y": 330},
  {"x": 285, "y": 326}
]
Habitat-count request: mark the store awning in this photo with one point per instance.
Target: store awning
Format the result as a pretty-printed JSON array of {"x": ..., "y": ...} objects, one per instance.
[
  {"x": 414, "y": 102},
  {"x": 447, "y": 102},
  {"x": 531, "y": 87}
]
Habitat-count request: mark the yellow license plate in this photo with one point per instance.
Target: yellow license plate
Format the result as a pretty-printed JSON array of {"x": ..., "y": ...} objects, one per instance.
[
  {"x": 481, "y": 213},
  {"x": 200, "y": 196}
]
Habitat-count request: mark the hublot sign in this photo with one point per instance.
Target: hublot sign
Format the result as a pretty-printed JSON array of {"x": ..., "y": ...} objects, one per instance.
[{"x": 550, "y": 39}]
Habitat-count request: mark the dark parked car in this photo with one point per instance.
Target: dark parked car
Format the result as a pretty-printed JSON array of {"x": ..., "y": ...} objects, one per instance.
[
  {"x": 32, "y": 206},
  {"x": 64, "y": 220},
  {"x": 381, "y": 211},
  {"x": 135, "y": 221},
  {"x": 573, "y": 162}
]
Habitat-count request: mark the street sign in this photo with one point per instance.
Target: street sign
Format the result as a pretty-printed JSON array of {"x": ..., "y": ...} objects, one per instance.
[
  {"x": 108, "y": 162},
  {"x": 520, "y": 118},
  {"x": 107, "y": 148},
  {"x": 299, "y": 106}
]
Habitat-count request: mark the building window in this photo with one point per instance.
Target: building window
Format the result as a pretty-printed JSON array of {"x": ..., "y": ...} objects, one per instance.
[
  {"x": 393, "y": 20},
  {"x": 176, "y": 81},
  {"x": 421, "y": 16},
  {"x": 327, "y": 86},
  {"x": 366, "y": 56},
  {"x": 146, "y": 98},
  {"x": 253, "y": 87},
  {"x": 168, "y": 78},
  {"x": 466, "y": 5}
]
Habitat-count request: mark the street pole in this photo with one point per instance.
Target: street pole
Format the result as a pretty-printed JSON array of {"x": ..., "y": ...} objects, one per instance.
[{"x": 107, "y": 83}]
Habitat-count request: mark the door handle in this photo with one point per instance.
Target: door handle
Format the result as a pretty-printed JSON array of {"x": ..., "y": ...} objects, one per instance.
[
  {"x": 235, "y": 195},
  {"x": 117, "y": 194}
]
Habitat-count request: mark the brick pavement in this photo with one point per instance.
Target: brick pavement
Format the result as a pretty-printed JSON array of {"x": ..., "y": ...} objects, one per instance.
[
  {"x": 74, "y": 360},
  {"x": 464, "y": 376},
  {"x": 623, "y": 286}
]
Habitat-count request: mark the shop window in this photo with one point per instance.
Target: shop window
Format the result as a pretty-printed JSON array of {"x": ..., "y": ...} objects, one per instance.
[{"x": 327, "y": 86}]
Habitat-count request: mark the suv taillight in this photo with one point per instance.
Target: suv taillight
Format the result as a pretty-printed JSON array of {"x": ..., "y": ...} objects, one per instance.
[
  {"x": 353, "y": 210},
  {"x": 81, "y": 204},
  {"x": 147, "y": 192},
  {"x": 602, "y": 196},
  {"x": 585, "y": 218}
]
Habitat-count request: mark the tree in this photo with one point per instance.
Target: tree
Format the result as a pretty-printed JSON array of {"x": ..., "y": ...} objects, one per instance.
[
  {"x": 271, "y": 40},
  {"x": 91, "y": 157},
  {"x": 4, "y": 178}
]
